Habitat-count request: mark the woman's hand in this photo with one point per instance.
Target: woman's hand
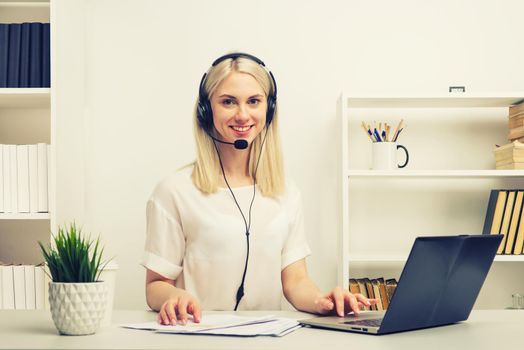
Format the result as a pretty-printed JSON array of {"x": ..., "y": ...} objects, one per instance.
[
  {"x": 341, "y": 302},
  {"x": 178, "y": 307}
]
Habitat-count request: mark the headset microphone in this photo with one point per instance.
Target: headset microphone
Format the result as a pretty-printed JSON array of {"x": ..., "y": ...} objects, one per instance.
[{"x": 239, "y": 144}]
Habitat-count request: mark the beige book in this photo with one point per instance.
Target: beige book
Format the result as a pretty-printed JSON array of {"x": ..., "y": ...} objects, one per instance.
[
  {"x": 383, "y": 294},
  {"x": 519, "y": 240},
  {"x": 516, "y": 109},
  {"x": 353, "y": 286},
  {"x": 508, "y": 212},
  {"x": 371, "y": 295},
  {"x": 516, "y": 120},
  {"x": 362, "y": 287},
  {"x": 508, "y": 158},
  {"x": 514, "y": 223},
  {"x": 511, "y": 166},
  {"x": 391, "y": 286},
  {"x": 499, "y": 213},
  {"x": 516, "y": 133},
  {"x": 515, "y": 144},
  {"x": 376, "y": 293}
]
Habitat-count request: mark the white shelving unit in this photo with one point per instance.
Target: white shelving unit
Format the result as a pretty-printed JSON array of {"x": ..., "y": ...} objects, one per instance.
[
  {"x": 25, "y": 118},
  {"x": 444, "y": 189}
]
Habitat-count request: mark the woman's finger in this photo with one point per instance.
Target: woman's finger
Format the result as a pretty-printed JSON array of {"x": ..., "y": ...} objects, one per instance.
[
  {"x": 194, "y": 309},
  {"x": 182, "y": 310},
  {"x": 338, "y": 297},
  {"x": 171, "y": 311}
]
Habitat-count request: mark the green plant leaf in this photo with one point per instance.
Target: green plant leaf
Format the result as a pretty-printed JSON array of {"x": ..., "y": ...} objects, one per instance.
[{"x": 74, "y": 257}]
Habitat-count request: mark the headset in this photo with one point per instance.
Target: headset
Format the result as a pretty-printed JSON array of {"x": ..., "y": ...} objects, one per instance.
[
  {"x": 204, "y": 112},
  {"x": 205, "y": 120}
]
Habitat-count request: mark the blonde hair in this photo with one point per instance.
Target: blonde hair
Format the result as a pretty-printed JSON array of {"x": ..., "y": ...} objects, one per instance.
[{"x": 270, "y": 173}]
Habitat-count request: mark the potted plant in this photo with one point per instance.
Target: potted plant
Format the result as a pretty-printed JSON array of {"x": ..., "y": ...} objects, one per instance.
[{"x": 76, "y": 297}]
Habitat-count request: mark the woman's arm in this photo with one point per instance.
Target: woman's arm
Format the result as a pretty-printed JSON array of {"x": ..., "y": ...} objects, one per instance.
[
  {"x": 304, "y": 295},
  {"x": 172, "y": 303}
]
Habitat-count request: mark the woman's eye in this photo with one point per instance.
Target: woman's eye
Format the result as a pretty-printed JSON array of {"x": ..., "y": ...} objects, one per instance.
[
  {"x": 227, "y": 102},
  {"x": 254, "y": 101}
]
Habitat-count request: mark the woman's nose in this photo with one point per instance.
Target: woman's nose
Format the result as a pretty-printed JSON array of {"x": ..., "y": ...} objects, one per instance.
[{"x": 242, "y": 113}]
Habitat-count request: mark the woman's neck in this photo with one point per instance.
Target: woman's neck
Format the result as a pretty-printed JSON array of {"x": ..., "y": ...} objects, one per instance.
[{"x": 236, "y": 165}]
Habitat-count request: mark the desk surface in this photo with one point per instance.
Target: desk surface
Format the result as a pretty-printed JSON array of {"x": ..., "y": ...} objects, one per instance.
[{"x": 486, "y": 329}]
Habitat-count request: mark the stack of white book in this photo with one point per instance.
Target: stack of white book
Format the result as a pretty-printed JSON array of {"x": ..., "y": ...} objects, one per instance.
[
  {"x": 22, "y": 287},
  {"x": 226, "y": 325},
  {"x": 24, "y": 178}
]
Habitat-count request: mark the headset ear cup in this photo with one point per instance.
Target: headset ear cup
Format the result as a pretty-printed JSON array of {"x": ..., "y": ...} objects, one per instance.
[
  {"x": 201, "y": 115},
  {"x": 271, "y": 105},
  {"x": 205, "y": 116}
]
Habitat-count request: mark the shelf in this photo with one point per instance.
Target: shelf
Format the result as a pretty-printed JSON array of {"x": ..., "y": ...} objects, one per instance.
[
  {"x": 24, "y": 216},
  {"x": 378, "y": 259},
  {"x": 25, "y": 97},
  {"x": 461, "y": 100},
  {"x": 436, "y": 173}
]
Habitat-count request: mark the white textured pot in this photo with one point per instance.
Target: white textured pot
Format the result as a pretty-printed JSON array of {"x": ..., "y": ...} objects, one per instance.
[{"x": 77, "y": 308}]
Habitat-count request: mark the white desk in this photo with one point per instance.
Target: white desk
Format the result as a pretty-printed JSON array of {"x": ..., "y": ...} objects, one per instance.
[{"x": 490, "y": 329}]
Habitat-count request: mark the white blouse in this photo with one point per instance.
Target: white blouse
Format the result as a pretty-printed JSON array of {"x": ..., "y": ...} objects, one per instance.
[{"x": 199, "y": 240}]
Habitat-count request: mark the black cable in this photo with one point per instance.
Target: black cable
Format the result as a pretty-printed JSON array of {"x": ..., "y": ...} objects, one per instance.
[{"x": 240, "y": 291}]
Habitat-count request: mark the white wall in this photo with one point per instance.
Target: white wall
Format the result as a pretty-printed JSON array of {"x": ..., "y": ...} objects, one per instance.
[{"x": 138, "y": 78}]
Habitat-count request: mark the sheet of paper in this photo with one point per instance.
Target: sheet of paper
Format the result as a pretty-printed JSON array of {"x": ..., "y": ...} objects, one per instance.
[
  {"x": 208, "y": 322},
  {"x": 276, "y": 328}
]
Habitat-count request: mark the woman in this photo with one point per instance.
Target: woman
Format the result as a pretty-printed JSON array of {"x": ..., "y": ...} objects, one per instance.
[{"x": 227, "y": 232}]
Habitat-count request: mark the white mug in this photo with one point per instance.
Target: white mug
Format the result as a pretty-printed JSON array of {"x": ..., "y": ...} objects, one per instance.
[{"x": 385, "y": 156}]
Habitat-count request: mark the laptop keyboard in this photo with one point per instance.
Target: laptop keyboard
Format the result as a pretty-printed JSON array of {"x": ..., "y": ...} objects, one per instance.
[{"x": 369, "y": 323}]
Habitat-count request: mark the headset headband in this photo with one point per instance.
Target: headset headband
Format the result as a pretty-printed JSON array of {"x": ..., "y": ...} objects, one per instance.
[{"x": 204, "y": 113}]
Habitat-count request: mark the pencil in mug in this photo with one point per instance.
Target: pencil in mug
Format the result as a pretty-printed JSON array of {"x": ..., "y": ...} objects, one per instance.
[
  {"x": 368, "y": 132},
  {"x": 399, "y": 128}
]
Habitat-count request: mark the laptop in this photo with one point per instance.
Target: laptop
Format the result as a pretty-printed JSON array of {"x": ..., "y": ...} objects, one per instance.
[{"x": 438, "y": 286}]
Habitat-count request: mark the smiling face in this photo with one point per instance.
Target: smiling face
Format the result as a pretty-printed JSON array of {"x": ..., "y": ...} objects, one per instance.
[{"x": 239, "y": 107}]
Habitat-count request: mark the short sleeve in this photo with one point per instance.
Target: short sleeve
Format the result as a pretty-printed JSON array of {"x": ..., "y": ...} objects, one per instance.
[
  {"x": 295, "y": 245},
  {"x": 165, "y": 242}
]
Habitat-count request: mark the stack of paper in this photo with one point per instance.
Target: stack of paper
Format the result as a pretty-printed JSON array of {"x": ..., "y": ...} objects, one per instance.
[{"x": 232, "y": 325}]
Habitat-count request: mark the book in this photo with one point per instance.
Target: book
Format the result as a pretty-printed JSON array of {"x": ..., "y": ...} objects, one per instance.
[
  {"x": 515, "y": 218},
  {"x": 383, "y": 293},
  {"x": 490, "y": 212},
  {"x": 25, "y": 45},
  {"x": 516, "y": 120},
  {"x": 362, "y": 287},
  {"x": 8, "y": 292},
  {"x": 506, "y": 220},
  {"x": 40, "y": 287},
  {"x": 35, "y": 68},
  {"x": 376, "y": 293},
  {"x": 509, "y": 146},
  {"x": 42, "y": 178},
  {"x": 13, "y": 169},
  {"x": 6, "y": 179},
  {"x": 511, "y": 166},
  {"x": 46, "y": 55},
  {"x": 519, "y": 240},
  {"x": 19, "y": 286},
  {"x": 516, "y": 133},
  {"x": 13, "y": 61},
  {"x": 4, "y": 53},
  {"x": 516, "y": 109},
  {"x": 33, "y": 178},
  {"x": 1, "y": 182},
  {"x": 353, "y": 286},
  {"x": 22, "y": 161},
  {"x": 30, "y": 291},
  {"x": 391, "y": 286},
  {"x": 495, "y": 212},
  {"x": 509, "y": 161},
  {"x": 371, "y": 294}
]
